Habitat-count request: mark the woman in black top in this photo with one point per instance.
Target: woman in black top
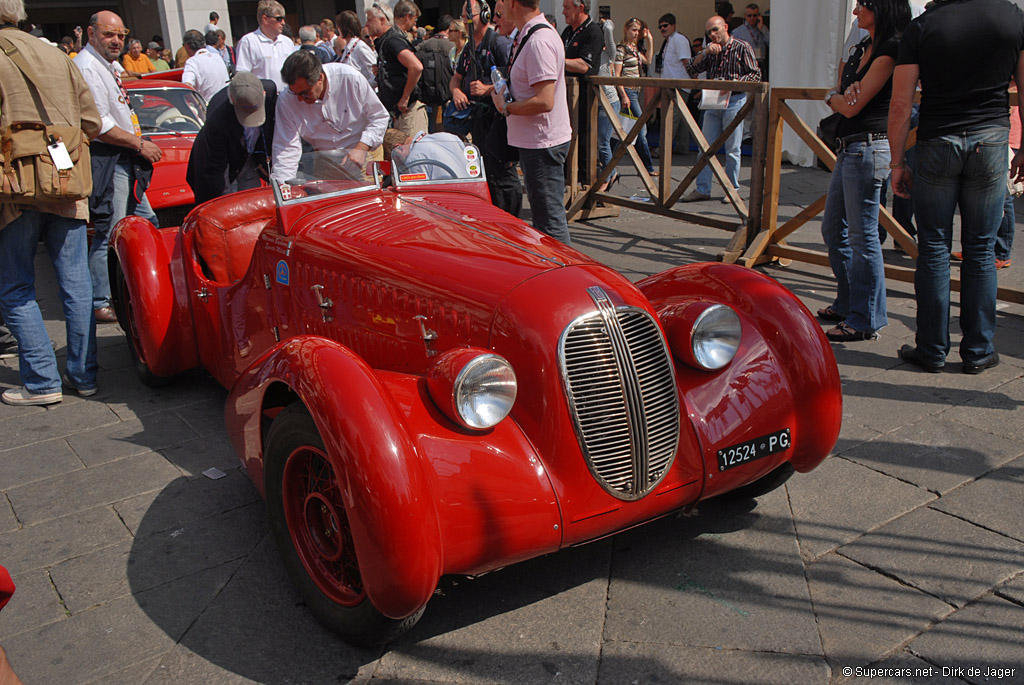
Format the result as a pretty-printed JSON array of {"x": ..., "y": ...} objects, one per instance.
[{"x": 850, "y": 223}]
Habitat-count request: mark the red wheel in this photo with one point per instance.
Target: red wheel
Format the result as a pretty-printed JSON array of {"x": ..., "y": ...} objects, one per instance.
[
  {"x": 315, "y": 514},
  {"x": 309, "y": 522}
]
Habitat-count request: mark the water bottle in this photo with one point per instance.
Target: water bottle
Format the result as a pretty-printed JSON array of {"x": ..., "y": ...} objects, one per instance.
[{"x": 500, "y": 84}]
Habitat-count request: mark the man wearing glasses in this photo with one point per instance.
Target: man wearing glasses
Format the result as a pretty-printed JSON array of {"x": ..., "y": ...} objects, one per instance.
[
  {"x": 675, "y": 56},
  {"x": 119, "y": 154},
  {"x": 330, "y": 106},
  {"x": 755, "y": 33},
  {"x": 264, "y": 51}
]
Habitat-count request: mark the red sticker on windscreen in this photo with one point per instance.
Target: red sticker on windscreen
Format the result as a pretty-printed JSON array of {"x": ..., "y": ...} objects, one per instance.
[{"x": 403, "y": 178}]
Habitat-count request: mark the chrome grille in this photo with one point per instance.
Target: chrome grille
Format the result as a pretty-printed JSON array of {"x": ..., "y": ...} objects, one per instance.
[{"x": 622, "y": 394}]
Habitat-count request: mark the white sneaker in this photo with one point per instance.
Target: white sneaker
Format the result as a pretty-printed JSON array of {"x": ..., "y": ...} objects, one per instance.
[
  {"x": 21, "y": 397},
  {"x": 694, "y": 196}
]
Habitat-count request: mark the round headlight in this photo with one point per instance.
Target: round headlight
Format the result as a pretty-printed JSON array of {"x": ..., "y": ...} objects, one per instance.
[
  {"x": 716, "y": 336},
  {"x": 484, "y": 391},
  {"x": 474, "y": 387}
]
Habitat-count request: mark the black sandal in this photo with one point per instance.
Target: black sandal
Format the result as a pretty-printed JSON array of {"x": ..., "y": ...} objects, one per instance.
[
  {"x": 844, "y": 333},
  {"x": 829, "y": 314}
]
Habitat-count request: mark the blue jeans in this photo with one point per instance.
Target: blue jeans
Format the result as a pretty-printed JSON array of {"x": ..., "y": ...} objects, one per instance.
[
  {"x": 124, "y": 204},
  {"x": 966, "y": 169},
  {"x": 65, "y": 242},
  {"x": 1004, "y": 238},
  {"x": 544, "y": 175},
  {"x": 715, "y": 121},
  {"x": 604, "y": 136},
  {"x": 854, "y": 251},
  {"x": 633, "y": 94}
]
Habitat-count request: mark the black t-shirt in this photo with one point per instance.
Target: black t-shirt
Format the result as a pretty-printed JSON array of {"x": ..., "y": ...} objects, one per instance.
[
  {"x": 392, "y": 74},
  {"x": 584, "y": 43},
  {"x": 966, "y": 51},
  {"x": 873, "y": 118},
  {"x": 492, "y": 51}
]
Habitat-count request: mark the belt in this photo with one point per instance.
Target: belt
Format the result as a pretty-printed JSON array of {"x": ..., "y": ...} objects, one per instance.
[{"x": 846, "y": 141}]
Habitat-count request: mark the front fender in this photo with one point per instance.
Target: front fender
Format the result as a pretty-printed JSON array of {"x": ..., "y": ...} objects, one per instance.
[
  {"x": 152, "y": 264},
  {"x": 801, "y": 357},
  {"x": 387, "y": 493}
]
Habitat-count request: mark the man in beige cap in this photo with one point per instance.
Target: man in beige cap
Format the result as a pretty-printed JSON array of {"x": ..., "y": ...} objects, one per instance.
[{"x": 232, "y": 150}]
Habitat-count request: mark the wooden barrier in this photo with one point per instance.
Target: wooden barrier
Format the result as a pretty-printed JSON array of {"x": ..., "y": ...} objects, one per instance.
[
  {"x": 769, "y": 242},
  {"x": 581, "y": 200}
]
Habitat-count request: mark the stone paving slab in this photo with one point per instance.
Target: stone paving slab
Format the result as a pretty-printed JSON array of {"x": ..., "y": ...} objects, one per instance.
[
  {"x": 864, "y": 616},
  {"x": 985, "y": 636},
  {"x": 1013, "y": 590},
  {"x": 87, "y": 488},
  {"x": 828, "y": 514},
  {"x": 920, "y": 672},
  {"x": 995, "y": 501},
  {"x": 631, "y": 662},
  {"x": 540, "y": 621},
  {"x": 694, "y": 581},
  {"x": 37, "y": 461},
  {"x": 942, "y": 555},
  {"x": 193, "y": 457},
  {"x": 60, "y": 420},
  {"x": 937, "y": 453},
  {"x": 134, "y": 436},
  {"x": 35, "y": 603},
  {"x": 53, "y": 541}
]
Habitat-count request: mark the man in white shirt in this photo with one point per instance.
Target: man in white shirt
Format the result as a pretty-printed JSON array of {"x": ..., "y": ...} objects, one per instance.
[
  {"x": 114, "y": 153},
  {"x": 212, "y": 26},
  {"x": 204, "y": 69},
  {"x": 264, "y": 51},
  {"x": 331, "y": 107},
  {"x": 675, "y": 56}
]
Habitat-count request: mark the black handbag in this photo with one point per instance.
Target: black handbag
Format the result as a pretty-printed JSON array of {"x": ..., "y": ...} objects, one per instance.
[{"x": 828, "y": 130}]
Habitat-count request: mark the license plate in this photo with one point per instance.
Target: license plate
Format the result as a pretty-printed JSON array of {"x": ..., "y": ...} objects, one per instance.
[{"x": 758, "y": 448}]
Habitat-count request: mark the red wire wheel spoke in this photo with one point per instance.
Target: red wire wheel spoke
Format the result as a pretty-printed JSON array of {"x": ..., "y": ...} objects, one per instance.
[{"x": 315, "y": 514}]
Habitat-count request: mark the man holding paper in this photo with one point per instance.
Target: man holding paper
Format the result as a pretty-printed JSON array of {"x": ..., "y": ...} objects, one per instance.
[{"x": 725, "y": 58}]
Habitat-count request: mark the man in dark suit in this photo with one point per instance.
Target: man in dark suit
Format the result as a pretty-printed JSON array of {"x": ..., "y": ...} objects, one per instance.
[{"x": 234, "y": 144}]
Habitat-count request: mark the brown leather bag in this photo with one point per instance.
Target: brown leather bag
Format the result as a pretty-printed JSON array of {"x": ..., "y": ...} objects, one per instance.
[{"x": 29, "y": 174}]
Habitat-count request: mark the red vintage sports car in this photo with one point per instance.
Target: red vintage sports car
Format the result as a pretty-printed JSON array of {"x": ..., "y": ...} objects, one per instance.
[
  {"x": 170, "y": 115},
  {"x": 421, "y": 384}
]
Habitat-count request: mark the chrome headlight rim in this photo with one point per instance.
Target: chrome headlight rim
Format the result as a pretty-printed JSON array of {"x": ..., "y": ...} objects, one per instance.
[
  {"x": 462, "y": 401},
  {"x": 715, "y": 337}
]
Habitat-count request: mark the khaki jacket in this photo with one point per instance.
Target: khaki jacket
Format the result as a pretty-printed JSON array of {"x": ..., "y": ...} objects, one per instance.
[{"x": 67, "y": 99}]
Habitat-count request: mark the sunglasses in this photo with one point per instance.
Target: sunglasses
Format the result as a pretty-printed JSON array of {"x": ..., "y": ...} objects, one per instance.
[
  {"x": 866, "y": 4},
  {"x": 497, "y": 15},
  {"x": 663, "y": 26},
  {"x": 274, "y": 18}
]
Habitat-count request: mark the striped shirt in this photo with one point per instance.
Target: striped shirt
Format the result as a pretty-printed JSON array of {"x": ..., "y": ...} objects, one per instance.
[{"x": 736, "y": 62}]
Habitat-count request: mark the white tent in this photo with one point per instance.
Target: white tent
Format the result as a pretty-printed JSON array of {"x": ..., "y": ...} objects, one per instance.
[{"x": 807, "y": 38}]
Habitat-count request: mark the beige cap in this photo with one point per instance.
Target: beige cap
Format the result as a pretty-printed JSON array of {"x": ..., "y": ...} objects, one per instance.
[{"x": 246, "y": 94}]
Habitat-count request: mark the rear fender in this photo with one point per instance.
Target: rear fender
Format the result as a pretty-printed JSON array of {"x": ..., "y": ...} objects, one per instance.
[
  {"x": 151, "y": 260},
  {"x": 805, "y": 366},
  {"x": 387, "y": 493}
]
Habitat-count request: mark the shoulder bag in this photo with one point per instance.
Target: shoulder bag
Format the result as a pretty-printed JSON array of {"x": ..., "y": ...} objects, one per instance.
[{"x": 42, "y": 161}]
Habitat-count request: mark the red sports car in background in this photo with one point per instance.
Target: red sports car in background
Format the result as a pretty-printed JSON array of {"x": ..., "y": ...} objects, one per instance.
[
  {"x": 170, "y": 114},
  {"x": 421, "y": 384}
]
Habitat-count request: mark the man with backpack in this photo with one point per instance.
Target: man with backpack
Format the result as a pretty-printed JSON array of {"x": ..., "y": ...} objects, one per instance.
[
  {"x": 398, "y": 68},
  {"x": 435, "y": 81},
  {"x": 471, "y": 88}
]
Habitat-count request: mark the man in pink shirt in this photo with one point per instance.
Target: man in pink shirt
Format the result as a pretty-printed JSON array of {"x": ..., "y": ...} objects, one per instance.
[{"x": 538, "y": 116}]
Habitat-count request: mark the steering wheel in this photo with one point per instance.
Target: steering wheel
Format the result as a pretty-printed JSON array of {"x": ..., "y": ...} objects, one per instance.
[
  {"x": 427, "y": 162},
  {"x": 174, "y": 116}
]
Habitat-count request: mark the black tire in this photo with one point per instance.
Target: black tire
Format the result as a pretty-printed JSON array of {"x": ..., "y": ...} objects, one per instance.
[
  {"x": 317, "y": 548},
  {"x": 121, "y": 298},
  {"x": 761, "y": 486}
]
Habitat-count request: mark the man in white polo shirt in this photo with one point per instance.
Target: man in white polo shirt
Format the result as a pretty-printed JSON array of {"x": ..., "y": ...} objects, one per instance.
[
  {"x": 116, "y": 154},
  {"x": 264, "y": 51},
  {"x": 204, "y": 70},
  {"x": 330, "y": 106}
]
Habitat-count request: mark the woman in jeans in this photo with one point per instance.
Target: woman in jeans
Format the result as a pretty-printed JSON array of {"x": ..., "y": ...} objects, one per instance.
[
  {"x": 850, "y": 223},
  {"x": 631, "y": 58}
]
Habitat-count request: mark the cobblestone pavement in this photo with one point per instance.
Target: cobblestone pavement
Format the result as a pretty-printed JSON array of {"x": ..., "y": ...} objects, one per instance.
[{"x": 904, "y": 550}]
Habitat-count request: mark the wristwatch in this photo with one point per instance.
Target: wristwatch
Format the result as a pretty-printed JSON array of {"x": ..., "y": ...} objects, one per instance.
[{"x": 830, "y": 94}]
